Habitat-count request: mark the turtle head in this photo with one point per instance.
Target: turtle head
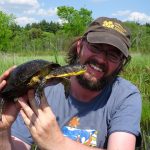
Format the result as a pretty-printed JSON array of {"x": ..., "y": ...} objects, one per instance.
[
  {"x": 73, "y": 70},
  {"x": 67, "y": 71}
]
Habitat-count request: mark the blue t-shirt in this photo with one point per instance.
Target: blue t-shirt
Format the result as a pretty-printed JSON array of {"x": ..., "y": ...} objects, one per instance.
[{"x": 116, "y": 108}]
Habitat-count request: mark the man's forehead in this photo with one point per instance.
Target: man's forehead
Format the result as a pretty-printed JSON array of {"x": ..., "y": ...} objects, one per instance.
[
  {"x": 104, "y": 45},
  {"x": 107, "y": 47}
]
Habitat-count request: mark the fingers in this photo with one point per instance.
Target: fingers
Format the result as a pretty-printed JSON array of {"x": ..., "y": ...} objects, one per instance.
[
  {"x": 45, "y": 106},
  {"x": 38, "y": 118},
  {"x": 25, "y": 107},
  {"x": 28, "y": 114},
  {"x": 32, "y": 101},
  {"x": 6, "y": 73},
  {"x": 36, "y": 108},
  {"x": 2, "y": 84},
  {"x": 27, "y": 121},
  {"x": 4, "y": 76},
  {"x": 42, "y": 108},
  {"x": 32, "y": 115}
]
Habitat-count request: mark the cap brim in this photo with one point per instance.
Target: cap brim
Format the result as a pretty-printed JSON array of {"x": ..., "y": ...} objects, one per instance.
[{"x": 108, "y": 38}]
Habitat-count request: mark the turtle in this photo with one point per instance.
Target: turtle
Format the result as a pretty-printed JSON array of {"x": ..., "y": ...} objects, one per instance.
[{"x": 35, "y": 74}]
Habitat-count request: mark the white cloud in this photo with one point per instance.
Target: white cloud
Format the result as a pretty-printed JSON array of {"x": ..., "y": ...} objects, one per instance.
[
  {"x": 52, "y": 11},
  {"x": 22, "y": 21},
  {"x": 133, "y": 16},
  {"x": 33, "y": 3},
  {"x": 2, "y": 2},
  {"x": 30, "y": 11},
  {"x": 122, "y": 13},
  {"x": 42, "y": 12},
  {"x": 139, "y": 17},
  {"x": 24, "y": 9}
]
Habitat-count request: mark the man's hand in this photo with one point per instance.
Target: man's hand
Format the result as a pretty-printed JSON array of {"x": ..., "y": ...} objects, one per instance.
[
  {"x": 41, "y": 121},
  {"x": 10, "y": 109}
]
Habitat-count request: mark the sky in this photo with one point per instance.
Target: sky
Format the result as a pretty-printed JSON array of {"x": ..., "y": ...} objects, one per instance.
[{"x": 29, "y": 11}]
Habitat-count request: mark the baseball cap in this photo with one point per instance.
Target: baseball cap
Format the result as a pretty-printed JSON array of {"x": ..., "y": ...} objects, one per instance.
[{"x": 109, "y": 31}]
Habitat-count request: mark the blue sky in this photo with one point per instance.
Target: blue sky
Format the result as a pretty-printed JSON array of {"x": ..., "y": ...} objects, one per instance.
[{"x": 29, "y": 11}]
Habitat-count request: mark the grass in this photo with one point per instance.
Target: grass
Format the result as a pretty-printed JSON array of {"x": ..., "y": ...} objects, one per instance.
[
  {"x": 138, "y": 72},
  {"x": 8, "y": 60}
]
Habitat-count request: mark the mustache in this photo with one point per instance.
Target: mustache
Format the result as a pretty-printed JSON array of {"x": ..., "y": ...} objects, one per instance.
[{"x": 102, "y": 66}]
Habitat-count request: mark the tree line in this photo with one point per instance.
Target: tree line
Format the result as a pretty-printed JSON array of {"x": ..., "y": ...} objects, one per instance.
[{"x": 55, "y": 36}]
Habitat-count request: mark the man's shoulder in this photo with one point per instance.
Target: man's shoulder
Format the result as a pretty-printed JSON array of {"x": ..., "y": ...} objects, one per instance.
[
  {"x": 124, "y": 93},
  {"x": 123, "y": 84},
  {"x": 124, "y": 90}
]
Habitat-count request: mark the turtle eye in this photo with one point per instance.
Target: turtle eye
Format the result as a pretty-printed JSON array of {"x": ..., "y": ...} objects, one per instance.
[{"x": 53, "y": 66}]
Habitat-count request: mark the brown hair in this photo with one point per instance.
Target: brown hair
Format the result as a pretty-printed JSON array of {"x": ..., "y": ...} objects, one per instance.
[{"x": 72, "y": 55}]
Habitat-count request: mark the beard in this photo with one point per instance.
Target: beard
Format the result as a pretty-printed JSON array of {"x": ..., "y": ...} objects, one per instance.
[{"x": 100, "y": 83}]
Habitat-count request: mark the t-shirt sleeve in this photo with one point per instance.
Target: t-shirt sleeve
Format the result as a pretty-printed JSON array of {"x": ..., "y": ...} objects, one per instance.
[{"x": 127, "y": 114}]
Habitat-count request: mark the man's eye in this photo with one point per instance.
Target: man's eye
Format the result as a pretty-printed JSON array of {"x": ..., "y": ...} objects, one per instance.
[{"x": 113, "y": 56}]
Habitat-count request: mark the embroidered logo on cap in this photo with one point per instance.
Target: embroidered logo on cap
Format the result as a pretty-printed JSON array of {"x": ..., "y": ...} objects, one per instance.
[{"x": 115, "y": 26}]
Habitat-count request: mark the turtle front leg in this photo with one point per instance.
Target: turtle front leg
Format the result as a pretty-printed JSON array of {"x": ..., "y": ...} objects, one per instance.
[
  {"x": 40, "y": 88},
  {"x": 34, "y": 80}
]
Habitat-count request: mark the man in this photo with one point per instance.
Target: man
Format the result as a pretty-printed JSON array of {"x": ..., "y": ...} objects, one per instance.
[{"x": 102, "y": 110}]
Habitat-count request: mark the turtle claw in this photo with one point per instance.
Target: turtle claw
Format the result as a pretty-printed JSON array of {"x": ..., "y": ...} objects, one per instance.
[
  {"x": 1, "y": 107},
  {"x": 40, "y": 88},
  {"x": 66, "y": 82}
]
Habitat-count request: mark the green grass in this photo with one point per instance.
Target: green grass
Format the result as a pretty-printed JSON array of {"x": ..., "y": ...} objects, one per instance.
[{"x": 8, "y": 60}]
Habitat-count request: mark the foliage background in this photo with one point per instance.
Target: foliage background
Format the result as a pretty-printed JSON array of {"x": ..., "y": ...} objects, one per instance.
[{"x": 47, "y": 36}]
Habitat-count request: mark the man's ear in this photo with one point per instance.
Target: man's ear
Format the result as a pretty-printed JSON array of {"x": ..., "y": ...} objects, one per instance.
[{"x": 79, "y": 47}]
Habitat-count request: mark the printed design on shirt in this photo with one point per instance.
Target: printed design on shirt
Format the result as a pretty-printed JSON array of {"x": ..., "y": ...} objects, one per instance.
[
  {"x": 74, "y": 122},
  {"x": 84, "y": 136}
]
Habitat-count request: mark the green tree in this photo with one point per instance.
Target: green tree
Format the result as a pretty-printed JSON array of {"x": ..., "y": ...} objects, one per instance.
[
  {"x": 5, "y": 32},
  {"x": 44, "y": 25},
  {"x": 54, "y": 27},
  {"x": 28, "y": 27},
  {"x": 49, "y": 27},
  {"x": 35, "y": 25},
  {"x": 15, "y": 29},
  {"x": 35, "y": 33},
  {"x": 74, "y": 21}
]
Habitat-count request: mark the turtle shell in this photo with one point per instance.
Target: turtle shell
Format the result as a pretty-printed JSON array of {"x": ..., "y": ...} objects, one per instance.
[{"x": 18, "y": 80}]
